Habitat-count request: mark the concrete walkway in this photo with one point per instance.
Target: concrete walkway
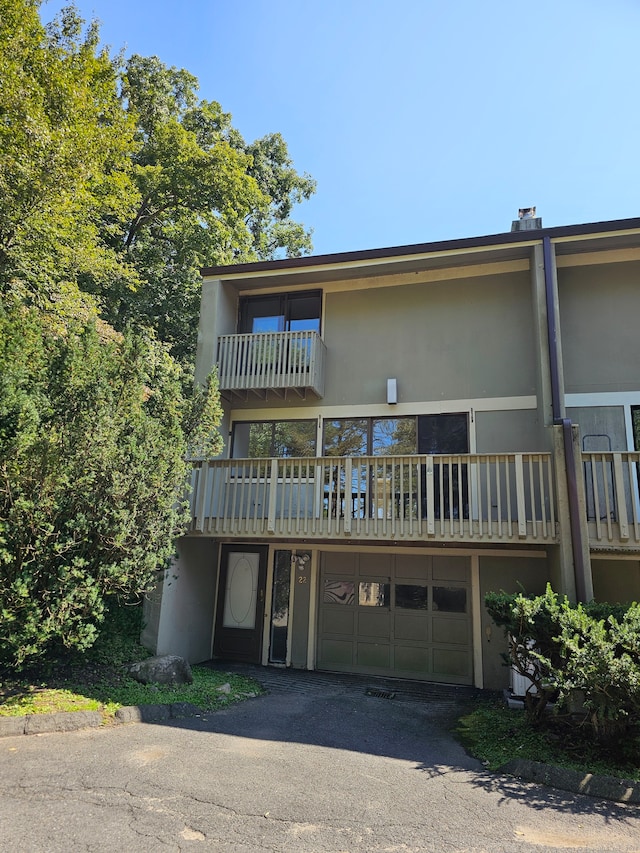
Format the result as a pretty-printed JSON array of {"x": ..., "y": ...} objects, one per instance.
[{"x": 321, "y": 763}]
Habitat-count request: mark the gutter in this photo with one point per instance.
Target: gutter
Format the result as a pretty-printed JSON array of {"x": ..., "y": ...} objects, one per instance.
[{"x": 567, "y": 432}]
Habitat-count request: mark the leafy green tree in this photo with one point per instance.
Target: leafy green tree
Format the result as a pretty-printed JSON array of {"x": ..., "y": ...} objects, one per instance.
[
  {"x": 116, "y": 185},
  {"x": 205, "y": 198},
  {"x": 92, "y": 476},
  {"x": 115, "y": 178},
  {"x": 65, "y": 153}
]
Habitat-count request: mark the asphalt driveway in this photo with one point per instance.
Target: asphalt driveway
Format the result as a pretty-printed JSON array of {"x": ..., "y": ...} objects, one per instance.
[{"x": 319, "y": 764}]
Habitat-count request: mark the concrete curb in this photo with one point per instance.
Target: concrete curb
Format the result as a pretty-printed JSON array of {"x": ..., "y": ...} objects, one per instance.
[
  {"x": 602, "y": 787},
  {"x": 70, "y": 721}
]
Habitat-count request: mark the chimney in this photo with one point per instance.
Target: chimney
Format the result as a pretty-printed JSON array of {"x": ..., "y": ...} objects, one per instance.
[{"x": 527, "y": 220}]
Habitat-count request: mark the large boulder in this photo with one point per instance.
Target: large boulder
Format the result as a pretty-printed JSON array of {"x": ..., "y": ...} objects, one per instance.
[{"x": 162, "y": 669}]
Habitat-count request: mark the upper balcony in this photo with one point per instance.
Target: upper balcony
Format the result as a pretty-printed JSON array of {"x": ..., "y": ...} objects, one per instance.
[{"x": 275, "y": 362}]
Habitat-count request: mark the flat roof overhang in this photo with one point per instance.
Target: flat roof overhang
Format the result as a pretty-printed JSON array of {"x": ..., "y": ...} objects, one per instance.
[{"x": 415, "y": 258}]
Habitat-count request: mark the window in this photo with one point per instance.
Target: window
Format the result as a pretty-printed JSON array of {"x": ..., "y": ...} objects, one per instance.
[
  {"x": 411, "y": 596},
  {"x": 635, "y": 421},
  {"x": 281, "y": 312},
  {"x": 370, "y": 437},
  {"x": 260, "y": 439},
  {"x": 373, "y": 594},
  {"x": 280, "y": 607},
  {"x": 450, "y": 599}
]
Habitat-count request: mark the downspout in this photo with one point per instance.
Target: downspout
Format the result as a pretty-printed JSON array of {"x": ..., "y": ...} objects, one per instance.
[{"x": 567, "y": 433}]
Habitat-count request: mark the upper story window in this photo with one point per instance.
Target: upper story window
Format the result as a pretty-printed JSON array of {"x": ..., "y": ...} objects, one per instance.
[
  {"x": 260, "y": 439},
  {"x": 281, "y": 312},
  {"x": 370, "y": 436},
  {"x": 442, "y": 433}
]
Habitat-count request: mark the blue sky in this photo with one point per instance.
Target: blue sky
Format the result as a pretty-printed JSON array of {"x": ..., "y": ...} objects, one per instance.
[{"x": 420, "y": 119}]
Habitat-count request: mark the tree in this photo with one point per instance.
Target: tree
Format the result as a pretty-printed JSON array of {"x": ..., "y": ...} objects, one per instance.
[
  {"x": 205, "y": 197},
  {"x": 65, "y": 153},
  {"x": 116, "y": 185},
  {"x": 92, "y": 475},
  {"x": 117, "y": 180}
]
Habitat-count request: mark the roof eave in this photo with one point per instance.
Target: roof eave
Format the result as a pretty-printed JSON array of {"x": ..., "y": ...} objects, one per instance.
[{"x": 363, "y": 255}]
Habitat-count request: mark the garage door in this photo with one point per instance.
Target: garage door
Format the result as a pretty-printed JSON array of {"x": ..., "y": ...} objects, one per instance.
[{"x": 396, "y": 614}]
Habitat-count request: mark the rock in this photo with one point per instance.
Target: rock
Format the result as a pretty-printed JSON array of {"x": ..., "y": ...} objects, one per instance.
[
  {"x": 142, "y": 713},
  {"x": 224, "y": 688},
  {"x": 162, "y": 669}
]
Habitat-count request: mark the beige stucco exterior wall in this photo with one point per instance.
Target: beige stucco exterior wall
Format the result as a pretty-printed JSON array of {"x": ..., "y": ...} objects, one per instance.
[
  {"x": 218, "y": 316},
  {"x": 617, "y": 581},
  {"x": 450, "y": 340},
  {"x": 601, "y": 348},
  {"x": 505, "y": 574},
  {"x": 188, "y": 601},
  {"x": 458, "y": 339},
  {"x": 511, "y": 432}
]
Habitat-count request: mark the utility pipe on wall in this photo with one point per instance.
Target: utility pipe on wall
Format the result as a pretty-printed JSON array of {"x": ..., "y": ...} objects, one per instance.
[{"x": 567, "y": 432}]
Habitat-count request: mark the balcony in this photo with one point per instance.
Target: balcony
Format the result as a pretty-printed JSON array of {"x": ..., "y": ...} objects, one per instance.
[
  {"x": 489, "y": 499},
  {"x": 612, "y": 500},
  {"x": 277, "y": 362}
]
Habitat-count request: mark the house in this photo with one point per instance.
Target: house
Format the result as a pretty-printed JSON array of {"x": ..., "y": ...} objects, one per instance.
[{"x": 405, "y": 430}]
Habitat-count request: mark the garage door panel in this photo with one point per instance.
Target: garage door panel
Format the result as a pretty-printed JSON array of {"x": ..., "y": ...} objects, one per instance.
[
  {"x": 405, "y": 615},
  {"x": 412, "y": 659},
  {"x": 451, "y": 662},
  {"x": 334, "y": 621},
  {"x": 376, "y": 565},
  {"x": 450, "y": 569},
  {"x": 373, "y": 624},
  {"x": 374, "y": 655},
  {"x": 411, "y": 566},
  {"x": 450, "y": 631},
  {"x": 411, "y": 627},
  {"x": 338, "y": 653}
]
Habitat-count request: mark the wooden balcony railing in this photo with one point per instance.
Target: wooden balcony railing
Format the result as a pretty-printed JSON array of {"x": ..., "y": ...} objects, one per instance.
[
  {"x": 505, "y": 497},
  {"x": 272, "y": 361},
  {"x": 612, "y": 499}
]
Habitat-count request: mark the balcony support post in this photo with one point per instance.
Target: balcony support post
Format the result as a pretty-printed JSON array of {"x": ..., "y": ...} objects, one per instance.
[{"x": 273, "y": 497}]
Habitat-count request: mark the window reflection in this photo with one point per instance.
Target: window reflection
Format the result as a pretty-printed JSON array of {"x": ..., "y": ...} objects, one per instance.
[
  {"x": 339, "y": 592},
  {"x": 373, "y": 594},
  {"x": 266, "y": 439},
  {"x": 393, "y": 436},
  {"x": 285, "y": 312},
  {"x": 346, "y": 437},
  {"x": 412, "y": 596},
  {"x": 450, "y": 599},
  {"x": 370, "y": 437},
  {"x": 280, "y": 607}
]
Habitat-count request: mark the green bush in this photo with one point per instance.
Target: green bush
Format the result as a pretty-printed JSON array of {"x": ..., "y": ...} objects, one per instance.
[
  {"x": 92, "y": 477},
  {"x": 584, "y": 656}
]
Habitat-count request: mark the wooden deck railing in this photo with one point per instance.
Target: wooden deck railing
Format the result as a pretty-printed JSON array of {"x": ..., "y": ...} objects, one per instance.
[
  {"x": 272, "y": 361},
  {"x": 505, "y": 497},
  {"x": 612, "y": 499}
]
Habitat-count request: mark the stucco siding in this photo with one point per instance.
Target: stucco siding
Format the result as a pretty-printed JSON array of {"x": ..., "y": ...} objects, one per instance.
[
  {"x": 616, "y": 580},
  {"x": 600, "y": 340},
  {"x": 510, "y": 432},
  {"x": 462, "y": 339},
  {"x": 507, "y": 574}
]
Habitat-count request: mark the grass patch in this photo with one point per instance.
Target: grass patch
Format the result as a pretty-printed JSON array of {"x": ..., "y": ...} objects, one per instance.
[
  {"x": 96, "y": 680},
  {"x": 495, "y": 734},
  {"x": 99, "y": 687}
]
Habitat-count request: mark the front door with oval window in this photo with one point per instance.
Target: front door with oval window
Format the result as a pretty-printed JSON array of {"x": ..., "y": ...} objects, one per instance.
[{"x": 240, "y": 613}]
